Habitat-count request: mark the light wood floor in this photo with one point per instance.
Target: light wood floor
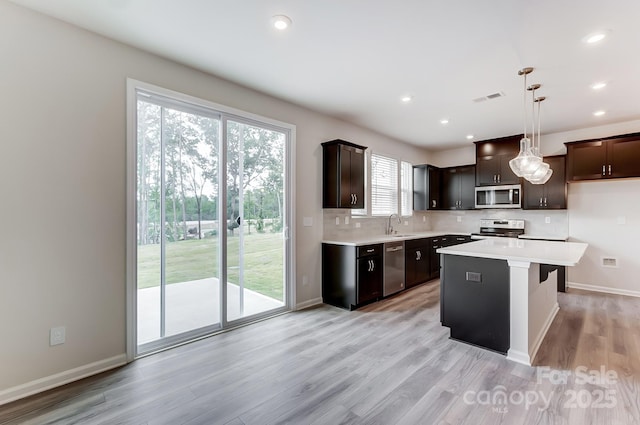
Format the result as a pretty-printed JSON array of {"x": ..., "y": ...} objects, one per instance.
[{"x": 389, "y": 363}]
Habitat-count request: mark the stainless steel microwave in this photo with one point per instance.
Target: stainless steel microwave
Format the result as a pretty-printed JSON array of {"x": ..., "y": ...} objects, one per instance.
[{"x": 507, "y": 196}]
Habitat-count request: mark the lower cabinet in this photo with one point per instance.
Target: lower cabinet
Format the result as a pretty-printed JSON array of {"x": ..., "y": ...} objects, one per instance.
[
  {"x": 441, "y": 242},
  {"x": 417, "y": 266},
  {"x": 351, "y": 276}
]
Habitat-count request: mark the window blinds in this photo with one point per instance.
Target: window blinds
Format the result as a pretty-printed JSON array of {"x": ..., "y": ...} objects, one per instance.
[{"x": 384, "y": 185}]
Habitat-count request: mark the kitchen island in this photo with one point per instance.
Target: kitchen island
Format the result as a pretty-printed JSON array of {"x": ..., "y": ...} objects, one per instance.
[{"x": 501, "y": 293}]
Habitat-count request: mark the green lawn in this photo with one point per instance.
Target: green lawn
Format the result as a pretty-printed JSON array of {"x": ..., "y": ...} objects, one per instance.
[{"x": 198, "y": 259}]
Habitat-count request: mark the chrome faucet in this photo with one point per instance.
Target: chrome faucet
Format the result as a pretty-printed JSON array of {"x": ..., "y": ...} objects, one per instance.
[{"x": 389, "y": 229}]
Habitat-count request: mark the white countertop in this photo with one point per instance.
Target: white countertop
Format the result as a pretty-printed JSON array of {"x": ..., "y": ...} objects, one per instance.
[
  {"x": 366, "y": 240},
  {"x": 534, "y": 251}
]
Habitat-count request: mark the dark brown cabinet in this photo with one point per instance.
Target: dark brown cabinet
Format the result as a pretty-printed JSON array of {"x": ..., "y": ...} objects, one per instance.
[
  {"x": 351, "y": 276},
  {"x": 492, "y": 161},
  {"x": 441, "y": 242},
  {"x": 426, "y": 187},
  {"x": 342, "y": 175},
  {"x": 552, "y": 194},
  {"x": 458, "y": 187},
  {"x": 417, "y": 261},
  {"x": 608, "y": 158}
]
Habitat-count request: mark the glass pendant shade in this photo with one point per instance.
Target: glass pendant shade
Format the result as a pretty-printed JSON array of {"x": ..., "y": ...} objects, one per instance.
[
  {"x": 526, "y": 162},
  {"x": 535, "y": 179}
]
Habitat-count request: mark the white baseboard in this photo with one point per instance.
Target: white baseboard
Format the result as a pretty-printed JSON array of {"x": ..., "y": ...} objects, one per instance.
[
  {"x": 62, "y": 378},
  {"x": 545, "y": 328},
  {"x": 605, "y": 289},
  {"x": 309, "y": 303},
  {"x": 518, "y": 357}
]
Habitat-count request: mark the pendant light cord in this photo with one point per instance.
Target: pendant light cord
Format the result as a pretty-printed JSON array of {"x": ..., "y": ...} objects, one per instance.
[
  {"x": 533, "y": 121},
  {"x": 539, "y": 145},
  {"x": 524, "y": 105}
]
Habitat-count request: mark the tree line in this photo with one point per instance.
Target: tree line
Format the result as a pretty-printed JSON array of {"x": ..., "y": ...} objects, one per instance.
[{"x": 185, "y": 147}]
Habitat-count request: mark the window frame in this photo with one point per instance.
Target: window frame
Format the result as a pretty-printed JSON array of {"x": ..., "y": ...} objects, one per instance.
[{"x": 367, "y": 211}]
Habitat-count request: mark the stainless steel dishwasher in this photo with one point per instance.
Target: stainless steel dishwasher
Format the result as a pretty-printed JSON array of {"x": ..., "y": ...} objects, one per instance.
[{"x": 393, "y": 268}]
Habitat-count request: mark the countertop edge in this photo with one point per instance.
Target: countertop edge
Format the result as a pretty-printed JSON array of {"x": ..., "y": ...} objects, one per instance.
[
  {"x": 385, "y": 238},
  {"x": 480, "y": 251}
]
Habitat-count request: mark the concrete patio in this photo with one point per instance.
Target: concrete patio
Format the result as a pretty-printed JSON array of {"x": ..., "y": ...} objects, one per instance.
[{"x": 194, "y": 304}]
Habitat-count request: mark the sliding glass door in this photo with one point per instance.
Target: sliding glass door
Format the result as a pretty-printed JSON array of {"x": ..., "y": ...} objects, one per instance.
[
  {"x": 255, "y": 242},
  {"x": 211, "y": 207}
]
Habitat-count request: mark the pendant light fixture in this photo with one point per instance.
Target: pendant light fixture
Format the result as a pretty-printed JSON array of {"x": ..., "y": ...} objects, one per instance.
[{"x": 528, "y": 163}]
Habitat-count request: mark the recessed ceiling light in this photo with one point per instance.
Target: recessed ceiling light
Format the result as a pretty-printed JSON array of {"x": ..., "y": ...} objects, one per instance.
[
  {"x": 469, "y": 136},
  {"x": 599, "y": 113},
  {"x": 407, "y": 99},
  {"x": 598, "y": 86},
  {"x": 444, "y": 121},
  {"x": 595, "y": 37},
  {"x": 281, "y": 22}
]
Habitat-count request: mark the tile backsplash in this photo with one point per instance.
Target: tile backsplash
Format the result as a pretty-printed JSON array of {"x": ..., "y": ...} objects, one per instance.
[{"x": 338, "y": 224}]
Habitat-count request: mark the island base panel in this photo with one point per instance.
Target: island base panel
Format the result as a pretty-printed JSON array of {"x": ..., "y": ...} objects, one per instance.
[{"x": 475, "y": 301}]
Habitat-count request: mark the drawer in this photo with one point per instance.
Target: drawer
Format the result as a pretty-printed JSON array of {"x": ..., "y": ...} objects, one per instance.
[
  {"x": 417, "y": 243},
  {"x": 459, "y": 239},
  {"x": 369, "y": 250}
]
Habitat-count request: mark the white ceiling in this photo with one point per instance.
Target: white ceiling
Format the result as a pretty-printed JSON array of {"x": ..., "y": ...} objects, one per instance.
[{"x": 355, "y": 59}]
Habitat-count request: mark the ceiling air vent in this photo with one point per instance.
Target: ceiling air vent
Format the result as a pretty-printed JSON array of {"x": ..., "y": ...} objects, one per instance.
[
  {"x": 609, "y": 262},
  {"x": 489, "y": 97}
]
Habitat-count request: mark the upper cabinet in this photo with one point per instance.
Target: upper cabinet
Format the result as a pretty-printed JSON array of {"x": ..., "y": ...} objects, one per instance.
[
  {"x": 458, "y": 187},
  {"x": 552, "y": 194},
  {"x": 426, "y": 188},
  {"x": 610, "y": 158},
  {"x": 492, "y": 161},
  {"x": 342, "y": 175}
]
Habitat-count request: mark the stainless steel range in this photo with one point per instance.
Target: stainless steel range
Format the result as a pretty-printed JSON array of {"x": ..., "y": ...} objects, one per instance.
[{"x": 499, "y": 228}]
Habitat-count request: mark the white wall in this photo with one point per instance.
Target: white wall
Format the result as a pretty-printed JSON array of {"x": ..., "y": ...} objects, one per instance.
[{"x": 62, "y": 180}]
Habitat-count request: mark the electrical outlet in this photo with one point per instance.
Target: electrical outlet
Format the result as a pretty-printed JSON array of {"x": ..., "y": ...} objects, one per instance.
[
  {"x": 459, "y": 219},
  {"x": 357, "y": 225},
  {"x": 406, "y": 222},
  {"x": 57, "y": 335},
  {"x": 547, "y": 220},
  {"x": 424, "y": 218},
  {"x": 305, "y": 280},
  {"x": 621, "y": 220},
  {"x": 337, "y": 221},
  {"x": 346, "y": 219}
]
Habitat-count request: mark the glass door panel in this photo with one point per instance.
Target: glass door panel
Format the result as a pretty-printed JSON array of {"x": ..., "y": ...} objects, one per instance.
[
  {"x": 192, "y": 298},
  {"x": 255, "y": 220},
  {"x": 177, "y": 184}
]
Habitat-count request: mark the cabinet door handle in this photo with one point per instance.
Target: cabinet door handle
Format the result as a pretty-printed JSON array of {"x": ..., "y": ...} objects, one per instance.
[
  {"x": 603, "y": 172},
  {"x": 609, "y": 169},
  {"x": 373, "y": 265},
  {"x": 418, "y": 255},
  {"x": 540, "y": 201},
  {"x": 495, "y": 178},
  {"x": 545, "y": 201},
  {"x": 356, "y": 198},
  {"x": 499, "y": 176}
]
